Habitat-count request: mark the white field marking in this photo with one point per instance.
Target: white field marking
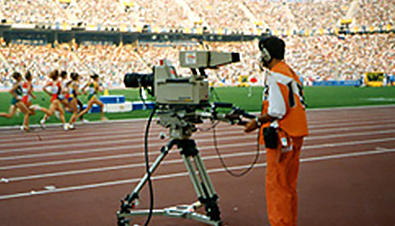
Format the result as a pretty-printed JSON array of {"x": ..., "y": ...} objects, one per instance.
[
  {"x": 307, "y": 147},
  {"x": 175, "y": 175},
  {"x": 133, "y": 135},
  {"x": 381, "y": 99},
  {"x": 204, "y": 140}
]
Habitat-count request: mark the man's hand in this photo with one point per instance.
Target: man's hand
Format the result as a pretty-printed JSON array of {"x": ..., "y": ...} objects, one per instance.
[{"x": 251, "y": 126}]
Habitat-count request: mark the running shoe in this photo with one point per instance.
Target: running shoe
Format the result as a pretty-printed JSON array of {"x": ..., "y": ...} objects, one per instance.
[
  {"x": 84, "y": 121},
  {"x": 42, "y": 123},
  {"x": 66, "y": 126},
  {"x": 24, "y": 128},
  {"x": 35, "y": 107}
]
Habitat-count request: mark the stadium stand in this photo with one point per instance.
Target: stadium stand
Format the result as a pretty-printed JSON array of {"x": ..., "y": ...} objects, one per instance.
[
  {"x": 241, "y": 15},
  {"x": 311, "y": 28}
]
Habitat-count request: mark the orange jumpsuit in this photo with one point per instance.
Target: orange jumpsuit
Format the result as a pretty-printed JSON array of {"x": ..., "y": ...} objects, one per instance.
[{"x": 285, "y": 102}]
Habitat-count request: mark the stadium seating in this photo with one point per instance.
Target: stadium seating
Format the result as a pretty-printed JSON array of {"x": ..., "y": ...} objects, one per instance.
[
  {"x": 240, "y": 15},
  {"x": 316, "y": 57}
]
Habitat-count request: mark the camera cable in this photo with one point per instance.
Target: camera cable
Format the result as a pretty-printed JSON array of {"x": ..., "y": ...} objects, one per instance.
[
  {"x": 147, "y": 166},
  {"x": 224, "y": 164}
]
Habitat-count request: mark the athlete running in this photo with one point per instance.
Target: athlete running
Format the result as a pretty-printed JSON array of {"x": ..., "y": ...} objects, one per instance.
[
  {"x": 73, "y": 93},
  {"x": 94, "y": 89},
  {"x": 27, "y": 95},
  {"x": 55, "y": 89},
  {"x": 17, "y": 103}
]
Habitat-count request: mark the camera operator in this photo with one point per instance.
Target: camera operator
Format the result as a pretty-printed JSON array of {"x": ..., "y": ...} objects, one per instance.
[{"x": 284, "y": 125}]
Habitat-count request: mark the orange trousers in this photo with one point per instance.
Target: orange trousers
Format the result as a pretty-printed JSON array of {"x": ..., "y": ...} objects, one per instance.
[{"x": 281, "y": 177}]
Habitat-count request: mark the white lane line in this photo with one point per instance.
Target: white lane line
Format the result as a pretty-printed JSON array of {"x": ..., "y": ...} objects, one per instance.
[
  {"x": 240, "y": 144},
  {"x": 365, "y": 124},
  {"x": 307, "y": 147},
  {"x": 127, "y": 136},
  {"x": 153, "y": 143},
  {"x": 174, "y": 175},
  {"x": 134, "y": 134},
  {"x": 352, "y": 108},
  {"x": 3, "y": 129},
  {"x": 128, "y": 166},
  {"x": 87, "y": 131},
  {"x": 336, "y": 135},
  {"x": 204, "y": 148},
  {"x": 65, "y": 144}
]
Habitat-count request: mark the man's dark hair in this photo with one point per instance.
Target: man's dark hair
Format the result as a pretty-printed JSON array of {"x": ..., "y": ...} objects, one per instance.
[{"x": 274, "y": 45}]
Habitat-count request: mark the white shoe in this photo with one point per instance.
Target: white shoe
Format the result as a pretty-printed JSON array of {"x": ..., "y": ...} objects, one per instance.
[
  {"x": 24, "y": 128},
  {"x": 71, "y": 127},
  {"x": 35, "y": 107},
  {"x": 84, "y": 120},
  {"x": 42, "y": 123},
  {"x": 66, "y": 126}
]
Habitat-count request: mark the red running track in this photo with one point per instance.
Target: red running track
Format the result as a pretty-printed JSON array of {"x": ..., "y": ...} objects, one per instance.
[{"x": 53, "y": 177}]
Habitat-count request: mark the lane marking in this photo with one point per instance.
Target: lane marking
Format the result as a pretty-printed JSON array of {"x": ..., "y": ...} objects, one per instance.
[
  {"x": 111, "y": 157},
  {"x": 175, "y": 175},
  {"x": 128, "y": 133},
  {"x": 389, "y": 106},
  {"x": 117, "y": 141},
  {"x": 119, "y": 167},
  {"x": 154, "y": 142},
  {"x": 308, "y": 147}
]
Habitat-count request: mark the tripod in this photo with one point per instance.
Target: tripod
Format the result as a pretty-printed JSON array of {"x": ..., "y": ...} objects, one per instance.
[{"x": 201, "y": 183}]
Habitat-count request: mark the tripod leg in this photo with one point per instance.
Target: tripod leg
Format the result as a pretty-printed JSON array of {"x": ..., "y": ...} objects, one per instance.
[
  {"x": 203, "y": 174},
  {"x": 130, "y": 198},
  {"x": 194, "y": 178},
  {"x": 211, "y": 205}
]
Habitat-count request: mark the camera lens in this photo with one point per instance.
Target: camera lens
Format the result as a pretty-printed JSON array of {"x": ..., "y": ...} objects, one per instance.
[{"x": 134, "y": 80}]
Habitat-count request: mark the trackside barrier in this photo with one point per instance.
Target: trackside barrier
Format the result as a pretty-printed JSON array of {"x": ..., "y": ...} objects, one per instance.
[
  {"x": 337, "y": 83},
  {"x": 117, "y": 103}
]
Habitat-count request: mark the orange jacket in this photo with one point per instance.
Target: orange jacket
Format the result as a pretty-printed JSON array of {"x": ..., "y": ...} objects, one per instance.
[{"x": 281, "y": 103}]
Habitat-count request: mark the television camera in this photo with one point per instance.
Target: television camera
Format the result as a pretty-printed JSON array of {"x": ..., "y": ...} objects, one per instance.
[{"x": 181, "y": 103}]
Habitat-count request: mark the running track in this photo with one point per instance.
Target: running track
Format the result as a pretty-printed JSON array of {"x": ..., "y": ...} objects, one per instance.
[{"x": 53, "y": 177}]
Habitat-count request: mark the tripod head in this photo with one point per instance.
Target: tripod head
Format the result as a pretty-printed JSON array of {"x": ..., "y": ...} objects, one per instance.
[{"x": 181, "y": 120}]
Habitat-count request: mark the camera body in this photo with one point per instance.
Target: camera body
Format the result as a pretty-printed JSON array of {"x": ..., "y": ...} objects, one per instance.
[{"x": 168, "y": 88}]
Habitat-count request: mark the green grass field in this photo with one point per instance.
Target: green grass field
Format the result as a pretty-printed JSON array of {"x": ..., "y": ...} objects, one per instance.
[{"x": 316, "y": 97}]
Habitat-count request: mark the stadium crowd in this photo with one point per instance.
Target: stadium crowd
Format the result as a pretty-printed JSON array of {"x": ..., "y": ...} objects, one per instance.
[
  {"x": 325, "y": 57},
  {"x": 316, "y": 57},
  {"x": 240, "y": 15}
]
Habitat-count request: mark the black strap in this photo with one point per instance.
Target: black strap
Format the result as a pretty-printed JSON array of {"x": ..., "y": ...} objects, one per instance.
[{"x": 291, "y": 97}]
